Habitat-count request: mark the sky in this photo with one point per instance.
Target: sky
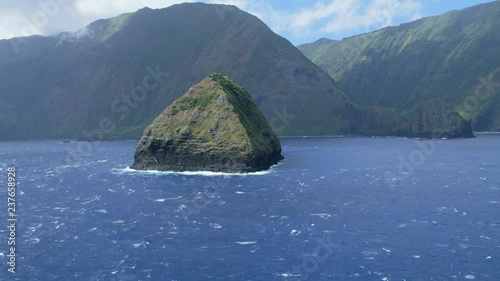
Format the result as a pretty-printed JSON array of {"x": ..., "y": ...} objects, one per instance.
[{"x": 300, "y": 21}]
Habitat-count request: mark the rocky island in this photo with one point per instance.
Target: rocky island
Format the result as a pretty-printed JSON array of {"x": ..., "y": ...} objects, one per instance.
[
  {"x": 437, "y": 119},
  {"x": 214, "y": 127}
]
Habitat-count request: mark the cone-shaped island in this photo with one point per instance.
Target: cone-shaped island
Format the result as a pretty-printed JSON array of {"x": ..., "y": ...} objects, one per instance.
[{"x": 214, "y": 127}]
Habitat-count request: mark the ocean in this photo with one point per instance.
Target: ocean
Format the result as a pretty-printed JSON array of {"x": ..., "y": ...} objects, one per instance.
[{"x": 341, "y": 208}]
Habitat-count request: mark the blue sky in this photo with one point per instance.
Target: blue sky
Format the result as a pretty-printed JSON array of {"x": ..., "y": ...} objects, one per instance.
[
  {"x": 303, "y": 21},
  {"x": 300, "y": 21}
]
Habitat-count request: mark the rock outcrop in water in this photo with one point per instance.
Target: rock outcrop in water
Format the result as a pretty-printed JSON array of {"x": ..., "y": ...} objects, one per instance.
[
  {"x": 215, "y": 126},
  {"x": 437, "y": 119}
]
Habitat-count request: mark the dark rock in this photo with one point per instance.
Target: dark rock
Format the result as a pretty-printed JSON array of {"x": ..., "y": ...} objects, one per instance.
[
  {"x": 437, "y": 119},
  {"x": 215, "y": 126}
]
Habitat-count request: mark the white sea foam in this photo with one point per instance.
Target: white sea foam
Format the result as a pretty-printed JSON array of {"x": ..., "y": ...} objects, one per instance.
[
  {"x": 141, "y": 244},
  {"x": 165, "y": 199},
  {"x": 323, "y": 216},
  {"x": 102, "y": 211},
  {"x": 470, "y": 276},
  {"x": 128, "y": 170},
  {"x": 240, "y": 192},
  {"x": 289, "y": 275},
  {"x": 215, "y": 225},
  {"x": 246, "y": 242},
  {"x": 34, "y": 240},
  {"x": 369, "y": 253},
  {"x": 60, "y": 209},
  {"x": 34, "y": 228}
]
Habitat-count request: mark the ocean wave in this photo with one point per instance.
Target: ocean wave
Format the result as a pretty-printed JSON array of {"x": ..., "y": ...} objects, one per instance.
[
  {"x": 128, "y": 170},
  {"x": 246, "y": 242}
]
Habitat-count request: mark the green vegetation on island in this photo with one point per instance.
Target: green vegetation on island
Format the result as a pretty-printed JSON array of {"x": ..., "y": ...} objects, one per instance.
[{"x": 215, "y": 127}]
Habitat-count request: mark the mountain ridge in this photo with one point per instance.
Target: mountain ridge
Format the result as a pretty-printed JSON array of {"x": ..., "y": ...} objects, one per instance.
[
  {"x": 402, "y": 66},
  {"x": 72, "y": 82}
]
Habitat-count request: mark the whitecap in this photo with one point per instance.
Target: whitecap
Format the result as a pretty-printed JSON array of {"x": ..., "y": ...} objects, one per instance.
[
  {"x": 161, "y": 200},
  {"x": 288, "y": 275},
  {"x": 246, "y": 242},
  {"x": 369, "y": 253},
  {"x": 93, "y": 229},
  {"x": 128, "y": 170},
  {"x": 60, "y": 209},
  {"x": 34, "y": 228},
  {"x": 240, "y": 192},
  {"x": 102, "y": 211},
  {"x": 416, "y": 256},
  {"x": 141, "y": 244},
  {"x": 34, "y": 240},
  {"x": 323, "y": 216},
  {"x": 386, "y": 250},
  {"x": 470, "y": 276},
  {"x": 118, "y": 222},
  {"x": 181, "y": 207},
  {"x": 215, "y": 225},
  {"x": 294, "y": 232}
]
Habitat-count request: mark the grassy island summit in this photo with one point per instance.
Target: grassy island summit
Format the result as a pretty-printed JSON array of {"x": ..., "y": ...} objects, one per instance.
[{"x": 214, "y": 127}]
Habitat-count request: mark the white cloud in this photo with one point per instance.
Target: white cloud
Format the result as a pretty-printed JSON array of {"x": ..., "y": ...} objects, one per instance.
[{"x": 340, "y": 16}]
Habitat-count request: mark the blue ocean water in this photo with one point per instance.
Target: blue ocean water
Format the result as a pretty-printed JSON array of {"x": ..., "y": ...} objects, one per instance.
[{"x": 334, "y": 209}]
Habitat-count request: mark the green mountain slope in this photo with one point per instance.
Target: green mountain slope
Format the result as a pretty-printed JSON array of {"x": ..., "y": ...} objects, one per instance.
[
  {"x": 454, "y": 57},
  {"x": 113, "y": 77}
]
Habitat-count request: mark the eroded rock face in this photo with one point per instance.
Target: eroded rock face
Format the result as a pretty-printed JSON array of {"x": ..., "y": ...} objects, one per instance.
[
  {"x": 437, "y": 119},
  {"x": 215, "y": 126}
]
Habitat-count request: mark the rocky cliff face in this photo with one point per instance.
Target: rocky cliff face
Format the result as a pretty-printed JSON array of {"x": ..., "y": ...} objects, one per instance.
[
  {"x": 436, "y": 119},
  {"x": 215, "y": 126}
]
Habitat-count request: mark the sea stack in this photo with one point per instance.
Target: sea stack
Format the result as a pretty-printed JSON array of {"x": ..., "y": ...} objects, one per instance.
[
  {"x": 214, "y": 127},
  {"x": 437, "y": 119}
]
